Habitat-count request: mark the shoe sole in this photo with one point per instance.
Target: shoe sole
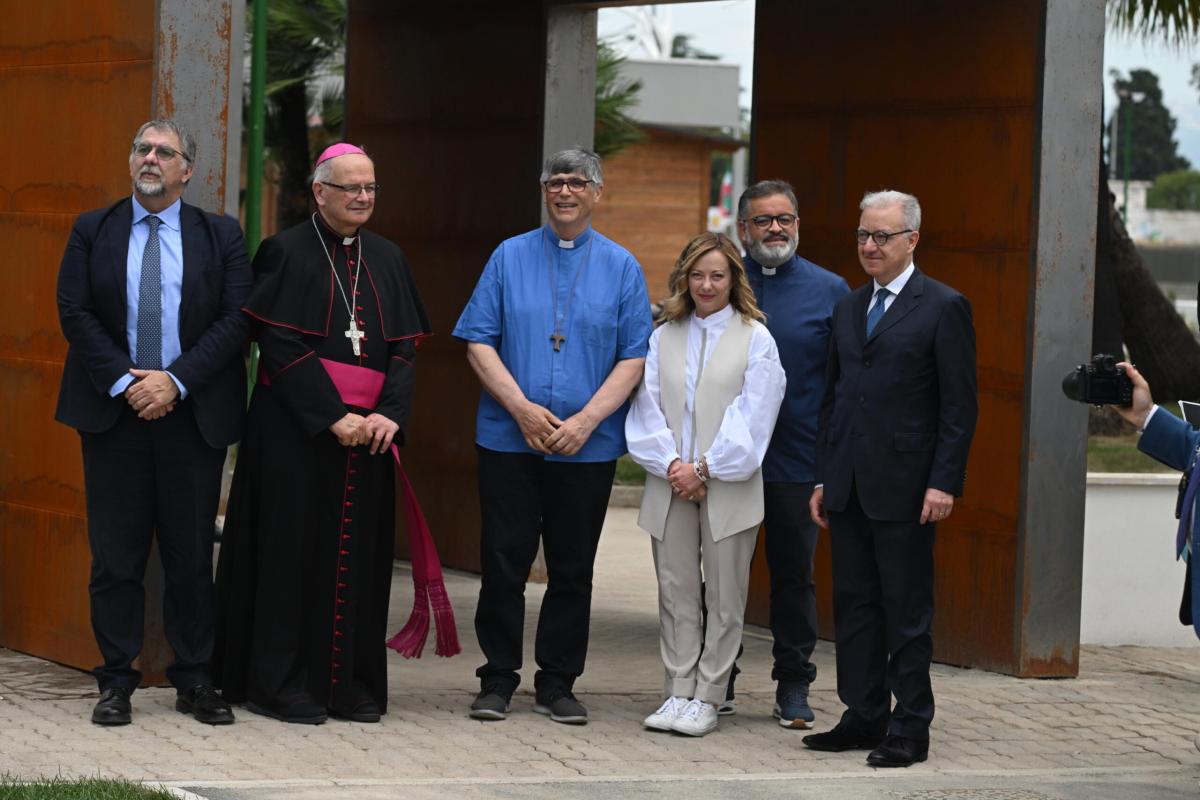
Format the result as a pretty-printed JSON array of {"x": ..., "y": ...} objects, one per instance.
[
  {"x": 488, "y": 714},
  {"x": 727, "y": 710},
  {"x": 657, "y": 726},
  {"x": 697, "y": 732},
  {"x": 565, "y": 720},
  {"x": 111, "y": 723},
  {"x": 792, "y": 724},
  {"x": 885, "y": 764},
  {"x": 856, "y": 746},
  {"x": 355, "y": 717},
  {"x": 186, "y": 708},
  {"x": 318, "y": 719}
]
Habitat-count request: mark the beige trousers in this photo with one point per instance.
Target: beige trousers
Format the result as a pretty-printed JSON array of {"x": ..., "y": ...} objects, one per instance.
[{"x": 698, "y": 659}]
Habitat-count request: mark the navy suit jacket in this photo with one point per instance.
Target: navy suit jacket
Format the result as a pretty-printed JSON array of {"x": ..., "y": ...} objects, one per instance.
[
  {"x": 1175, "y": 443},
  {"x": 92, "y": 307},
  {"x": 900, "y": 406}
]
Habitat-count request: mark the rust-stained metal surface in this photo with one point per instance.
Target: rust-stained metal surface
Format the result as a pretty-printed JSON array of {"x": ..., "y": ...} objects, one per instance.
[
  {"x": 447, "y": 98},
  {"x": 944, "y": 104},
  {"x": 77, "y": 78}
]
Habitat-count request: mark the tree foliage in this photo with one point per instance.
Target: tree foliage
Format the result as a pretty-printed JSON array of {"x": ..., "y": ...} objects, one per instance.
[
  {"x": 1175, "y": 191},
  {"x": 1145, "y": 129},
  {"x": 615, "y": 96},
  {"x": 1175, "y": 21}
]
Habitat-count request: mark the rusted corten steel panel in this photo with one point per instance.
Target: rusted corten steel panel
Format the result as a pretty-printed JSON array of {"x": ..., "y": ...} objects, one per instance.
[
  {"x": 447, "y": 98},
  {"x": 943, "y": 102},
  {"x": 76, "y": 78}
]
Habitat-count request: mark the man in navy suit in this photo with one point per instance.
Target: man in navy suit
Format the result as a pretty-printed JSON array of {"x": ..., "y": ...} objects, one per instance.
[
  {"x": 149, "y": 297},
  {"x": 893, "y": 435}
]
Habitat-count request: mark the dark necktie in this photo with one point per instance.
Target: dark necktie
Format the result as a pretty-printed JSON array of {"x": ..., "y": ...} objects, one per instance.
[
  {"x": 149, "y": 321},
  {"x": 876, "y": 312}
]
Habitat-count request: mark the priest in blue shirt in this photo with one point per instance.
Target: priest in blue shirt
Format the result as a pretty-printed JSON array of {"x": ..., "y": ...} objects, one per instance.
[
  {"x": 557, "y": 331},
  {"x": 798, "y": 298}
]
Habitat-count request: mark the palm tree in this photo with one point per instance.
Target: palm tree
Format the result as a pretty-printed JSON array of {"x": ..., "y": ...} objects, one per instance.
[{"x": 615, "y": 130}]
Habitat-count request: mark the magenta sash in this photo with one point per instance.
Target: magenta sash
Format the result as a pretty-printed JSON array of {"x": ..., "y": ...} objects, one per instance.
[{"x": 361, "y": 386}]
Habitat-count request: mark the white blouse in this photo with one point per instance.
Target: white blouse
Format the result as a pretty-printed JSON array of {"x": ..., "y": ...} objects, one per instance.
[{"x": 745, "y": 432}]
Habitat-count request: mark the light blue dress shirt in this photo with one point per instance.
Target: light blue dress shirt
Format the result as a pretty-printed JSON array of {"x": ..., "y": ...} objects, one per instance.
[
  {"x": 171, "y": 246},
  {"x": 606, "y": 319}
]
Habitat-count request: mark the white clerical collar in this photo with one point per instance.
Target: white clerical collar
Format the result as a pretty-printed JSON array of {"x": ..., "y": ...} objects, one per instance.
[
  {"x": 715, "y": 318},
  {"x": 569, "y": 244},
  {"x": 898, "y": 282}
]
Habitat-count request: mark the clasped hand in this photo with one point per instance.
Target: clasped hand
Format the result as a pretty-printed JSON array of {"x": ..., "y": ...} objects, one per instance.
[
  {"x": 152, "y": 394},
  {"x": 685, "y": 482},
  {"x": 546, "y": 433},
  {"x": 374, "y": 430}
]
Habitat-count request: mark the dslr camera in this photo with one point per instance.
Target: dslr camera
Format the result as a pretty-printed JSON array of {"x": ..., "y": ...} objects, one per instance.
[{"x": 1099, "y": 382}]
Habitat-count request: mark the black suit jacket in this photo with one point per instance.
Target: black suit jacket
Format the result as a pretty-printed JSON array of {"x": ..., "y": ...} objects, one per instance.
[
  {"x": 92, "y": 305},
  {"x": 900, "y": 406}
]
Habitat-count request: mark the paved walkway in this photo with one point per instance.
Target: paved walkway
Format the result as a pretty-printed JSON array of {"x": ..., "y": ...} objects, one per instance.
[{"x": 1123, "y": 729}]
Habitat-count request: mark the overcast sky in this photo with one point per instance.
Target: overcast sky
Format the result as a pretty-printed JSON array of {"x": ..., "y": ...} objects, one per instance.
[{"x": 726, "y": 27}]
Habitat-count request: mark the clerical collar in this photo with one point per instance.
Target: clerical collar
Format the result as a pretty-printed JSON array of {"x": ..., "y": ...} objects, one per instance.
[
  {"x": 332, "y": 235},
  {"x": 769, "y": 271},
  {"x": 569, "y": 244}
]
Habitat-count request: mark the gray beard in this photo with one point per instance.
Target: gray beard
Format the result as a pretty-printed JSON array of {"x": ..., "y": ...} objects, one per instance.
[
  {"x": 150, "y": 189},
  {"x": 774, "y": 256}
]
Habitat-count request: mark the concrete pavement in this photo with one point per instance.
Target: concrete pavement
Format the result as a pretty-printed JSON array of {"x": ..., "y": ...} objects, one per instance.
[{"x": 1123, "y": 729}]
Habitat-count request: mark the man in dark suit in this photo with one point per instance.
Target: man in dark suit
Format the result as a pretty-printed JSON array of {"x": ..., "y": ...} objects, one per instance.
[
  {"x": 149, "y": 297},
  {"x": 893, "y": 435}
]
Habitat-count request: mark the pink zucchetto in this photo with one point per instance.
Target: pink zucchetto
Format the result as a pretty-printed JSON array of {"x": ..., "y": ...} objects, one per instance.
[{"x": 339, "y": 149}]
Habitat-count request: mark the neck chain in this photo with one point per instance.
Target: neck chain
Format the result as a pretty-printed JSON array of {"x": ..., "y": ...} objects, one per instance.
[
  {"x": 353, "y": 332},
  {"x": 557, "y": 337}
]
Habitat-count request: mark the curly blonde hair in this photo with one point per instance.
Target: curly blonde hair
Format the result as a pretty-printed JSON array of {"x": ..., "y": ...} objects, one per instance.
[{"x": 741, "y": 297}]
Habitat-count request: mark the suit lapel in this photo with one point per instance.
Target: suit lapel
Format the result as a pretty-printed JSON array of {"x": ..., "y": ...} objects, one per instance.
[
  {"x": 862, "y": 299},
  {"x": 191, "y": 234},
  {"x": 908, "y": 299},
  {"x": 116, "y": 235}
]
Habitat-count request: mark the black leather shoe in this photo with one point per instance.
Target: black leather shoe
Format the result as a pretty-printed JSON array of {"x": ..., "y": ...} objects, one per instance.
[
  {"x": 203, "y": 703},
  {"x": 365, "y": 711},
  {"x": 899, "y": 751},
  {"x": 113, "y": 708},
  {"x": 842, "y": 738}
]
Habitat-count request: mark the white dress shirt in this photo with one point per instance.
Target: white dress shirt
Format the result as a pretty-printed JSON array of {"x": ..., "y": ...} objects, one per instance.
[
  {"x": 745, "y": 432},
  {"x": 894, "y": 288}
]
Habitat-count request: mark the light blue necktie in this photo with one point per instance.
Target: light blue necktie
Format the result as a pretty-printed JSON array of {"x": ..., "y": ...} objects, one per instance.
[
  {"x": 875, "y": 313},
  {"x": 149, "y": 321}
]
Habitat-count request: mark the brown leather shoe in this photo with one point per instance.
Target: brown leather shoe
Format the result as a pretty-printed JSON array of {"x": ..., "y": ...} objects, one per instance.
[{"x": 899, "y": 751}]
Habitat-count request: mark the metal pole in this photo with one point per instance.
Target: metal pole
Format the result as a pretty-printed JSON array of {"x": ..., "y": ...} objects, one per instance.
[
  {"x": 1127, "y": 102},
  {"x": 255, "y": 145}
]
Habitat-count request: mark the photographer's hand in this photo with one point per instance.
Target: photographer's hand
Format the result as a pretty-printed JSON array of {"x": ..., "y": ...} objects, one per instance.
[{"x": 1137, "y": 412}]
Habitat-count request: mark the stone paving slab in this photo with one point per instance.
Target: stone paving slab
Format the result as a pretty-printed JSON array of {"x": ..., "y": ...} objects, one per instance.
[{"x": 1132, "y": 712}]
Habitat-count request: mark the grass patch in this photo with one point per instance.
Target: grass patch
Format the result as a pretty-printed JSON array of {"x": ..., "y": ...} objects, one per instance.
[
  {"x": 629, "y": 473},
  {"x": 1120, "y": 454},
  {"x": 82, "y": 789}
]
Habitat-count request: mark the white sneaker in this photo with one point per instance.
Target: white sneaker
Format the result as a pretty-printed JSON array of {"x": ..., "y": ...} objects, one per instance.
[
  {"x": 662, "y": 719},
  {"x": 696, "y": 719}
]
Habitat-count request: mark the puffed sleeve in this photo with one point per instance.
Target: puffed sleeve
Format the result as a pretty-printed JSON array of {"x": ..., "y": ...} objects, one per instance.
[
  {"x": 651, "y": 443},
  {"x": 741, "y": 442}
]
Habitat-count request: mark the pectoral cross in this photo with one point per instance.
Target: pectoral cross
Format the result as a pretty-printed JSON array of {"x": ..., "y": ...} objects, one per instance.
[
  {"x": 354, "y": 334},
  {"x": 558, "y": 339}
]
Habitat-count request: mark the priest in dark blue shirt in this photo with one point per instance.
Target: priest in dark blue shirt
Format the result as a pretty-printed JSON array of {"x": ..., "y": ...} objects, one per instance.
[
  {"x": 798, "y": 298},
  {"x": 557, "y": 331}
]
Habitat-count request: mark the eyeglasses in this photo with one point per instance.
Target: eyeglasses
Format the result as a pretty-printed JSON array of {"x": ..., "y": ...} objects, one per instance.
[
  {"x": 880, "y": 237},
  {"x": 764, "y": 221},
  {"x": 574, "y": 185},
  {"x": 163, "y": 152},
  {"x": 355, "y": 189}
]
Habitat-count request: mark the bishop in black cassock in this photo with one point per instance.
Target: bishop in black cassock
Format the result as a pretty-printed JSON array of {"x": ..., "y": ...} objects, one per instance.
[{"x": 306, "y": 559}]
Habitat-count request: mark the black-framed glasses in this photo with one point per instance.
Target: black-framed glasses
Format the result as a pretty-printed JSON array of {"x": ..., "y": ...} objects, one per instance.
[
  {"x": 354, "y": 189},
  {"x": 764, "y": 221},
  {"x": 574, "y": 185},
  {"x": 879, "y": 237},
  {"x": 163, "y": 152}
]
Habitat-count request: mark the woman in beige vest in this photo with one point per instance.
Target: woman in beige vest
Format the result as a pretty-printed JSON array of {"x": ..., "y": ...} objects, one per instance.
[{"x": 700, "y": 425}]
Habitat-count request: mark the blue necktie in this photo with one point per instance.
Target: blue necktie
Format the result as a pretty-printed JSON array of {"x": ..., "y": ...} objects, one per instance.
[
  {"x": 876, "y": 312},
  {"x": 149, "y": 320}
]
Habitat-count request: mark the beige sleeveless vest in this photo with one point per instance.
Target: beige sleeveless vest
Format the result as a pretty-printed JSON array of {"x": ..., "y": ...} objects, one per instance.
[{"x": 732, "y": 506}]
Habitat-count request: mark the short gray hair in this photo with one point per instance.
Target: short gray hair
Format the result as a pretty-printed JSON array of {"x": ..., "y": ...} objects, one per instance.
[
  {"x": 890, "y": 197},
  {"x": 187, "y": 142},
  {"x": 766, "y": 189},
  {"x": 575, "y": 160}
]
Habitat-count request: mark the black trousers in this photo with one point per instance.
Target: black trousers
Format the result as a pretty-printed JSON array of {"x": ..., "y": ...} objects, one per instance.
[
  {"x": 791, "y": 541},
  {"x": 523, "y": 498},
  {"x": 883, "y": 611},
  {"x": 145, "y": 480}
]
